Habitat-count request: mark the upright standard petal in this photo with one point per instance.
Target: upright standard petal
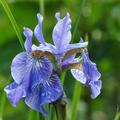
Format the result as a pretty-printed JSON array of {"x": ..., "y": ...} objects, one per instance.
[
  {"x": 61, "y": 33},
  {"x": 15, "y": 92},
  {"x": 38, "y": 69},
  {"x": 28, "y": 42},
  {"x": 47, "y": 92},
  {"x": 38, "y": 30}
]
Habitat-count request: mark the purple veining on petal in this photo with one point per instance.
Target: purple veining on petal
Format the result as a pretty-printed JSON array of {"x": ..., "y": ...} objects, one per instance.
[
  {"x": 92, "y": 74},
  {"x": 40, "y": 69},
  {"x": 43, "y": 93},
  {"x": 88, "y": 75},
  {"x": 35, "y": 77},
  {"x": 14, "y": 93},
  {"x": 61, "y": 33}
]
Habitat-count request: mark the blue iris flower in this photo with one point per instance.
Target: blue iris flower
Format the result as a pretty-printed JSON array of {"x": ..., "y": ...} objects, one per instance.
[
  {"x": 61, "y": 38},
  {"x": 88, "y": 74},
  {"x": 36, "y": 77}
]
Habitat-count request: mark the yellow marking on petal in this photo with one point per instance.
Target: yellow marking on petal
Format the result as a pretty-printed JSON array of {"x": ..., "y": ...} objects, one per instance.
[{"x": 71, "y": 52}]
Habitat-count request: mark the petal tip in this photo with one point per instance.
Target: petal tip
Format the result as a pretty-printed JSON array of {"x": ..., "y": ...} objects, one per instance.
[
  {"x": 67, "y": 14},
  {"x": 57, "y": 16},
  {"x": 27, "y": 31},
  {"x": 81, "y": 40},
  {"x": 40, "y": 17},
  {"x": 96, "y": 88}
]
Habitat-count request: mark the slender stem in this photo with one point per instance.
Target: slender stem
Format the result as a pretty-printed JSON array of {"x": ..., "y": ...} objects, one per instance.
[
  {"x": 76, "y": 27},
  {"x": 76, "y": 24},
  {"x": 77, "y": 88},
  {"x": 76, "y": 97},
  {"x": 42, "y": 9},
  {"x": 62, "y": 78},
  {"x": 41, "y": 117},
  {"x": 13, "y": 22},
  {"x": 117, "y": 116},
  {"x": 31, "y": 114},
  {"x": 61, "y": 110},
  {"x": 2, "y": 105},
  {"x": 51, "y": 112}
]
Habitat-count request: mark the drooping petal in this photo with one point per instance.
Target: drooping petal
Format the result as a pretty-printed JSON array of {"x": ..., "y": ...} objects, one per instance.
[
  {"x": 15, "y": 92},
  {"x": 95, "y": 87},
  {"x": 92, "y": 74},
  {"x": 61, "y": 33},
  {"x": 28, "y": 42},
  {"x": 88, "y": 74},
  {"x": 38, "y": 29},
  {"x": 36, "y": 69},
  {"x": 78, "y": 75},
  {"x": 89, "y": 68},
  {"x": 43, "y": 93},
  {"x": 19, "y": 67}
]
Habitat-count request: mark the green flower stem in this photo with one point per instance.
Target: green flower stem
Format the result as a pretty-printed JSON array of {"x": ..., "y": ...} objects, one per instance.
[
  {"x": 42, "y": 10},
  {"x": 61, "y": 109},
  {"x": 77, "y": 88},
  {"x": 76, "y": 97},
  {"x": 62, "y": 77},
  {"x": 30, "y": 115},
  {"x": 41, "y": 117},
  {"x": 51, "y": 112},
  {"x": 117, "y": 117},
  {"x": 76, "y": 23},
  {"x": 13, "y": 22},
  {"x": 2, "y": 105}
]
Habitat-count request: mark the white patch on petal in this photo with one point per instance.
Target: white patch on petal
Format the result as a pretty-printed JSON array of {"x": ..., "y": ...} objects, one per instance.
[
  {"x": 78, "y": 75},
  {"x": 34, "y": 47}
]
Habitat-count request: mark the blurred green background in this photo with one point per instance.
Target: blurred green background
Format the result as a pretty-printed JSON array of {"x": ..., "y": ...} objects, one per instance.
[{"x": 100, "y": 19}]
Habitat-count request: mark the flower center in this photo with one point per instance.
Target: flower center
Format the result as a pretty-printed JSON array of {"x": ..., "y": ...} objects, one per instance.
[{"x": 38, "y": 54}]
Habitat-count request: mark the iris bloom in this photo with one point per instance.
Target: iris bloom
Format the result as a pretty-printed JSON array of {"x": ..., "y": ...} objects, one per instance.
[
  {"x": 34, "y": 78},
  {"x": 35, "y": 73},
  {"x": 88, "y": 74}
]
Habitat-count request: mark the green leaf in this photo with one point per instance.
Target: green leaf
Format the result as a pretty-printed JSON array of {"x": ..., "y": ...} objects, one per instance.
[
  {"x": 76, "y": 97},
  {"x": 13, "y": 22},
  {"x": 2, "y": 105},
  {"x": 117, "y": 117}
]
